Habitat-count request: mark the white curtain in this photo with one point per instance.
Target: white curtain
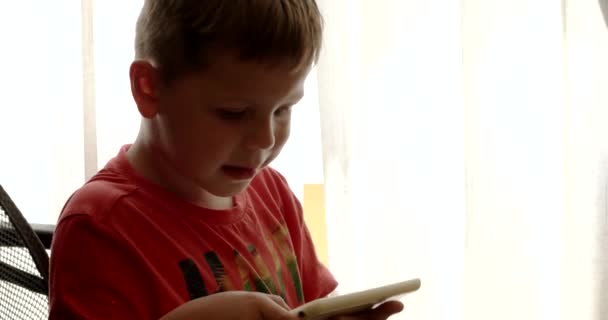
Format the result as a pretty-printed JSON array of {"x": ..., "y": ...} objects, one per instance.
[
  {"x": 466, "y": 143},
  {"x": 41, "y": 97}
]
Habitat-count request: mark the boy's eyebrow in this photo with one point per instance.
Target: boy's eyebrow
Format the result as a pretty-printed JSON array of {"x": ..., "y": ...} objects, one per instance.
[{"x": 291, "y": 99}]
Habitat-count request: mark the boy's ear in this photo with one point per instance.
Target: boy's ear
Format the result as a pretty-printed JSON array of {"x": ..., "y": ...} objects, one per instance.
[{"x": 145, "y": 84}]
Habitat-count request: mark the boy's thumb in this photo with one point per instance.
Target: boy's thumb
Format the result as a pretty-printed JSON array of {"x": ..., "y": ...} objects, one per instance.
[{"x": 275, "y": 308}]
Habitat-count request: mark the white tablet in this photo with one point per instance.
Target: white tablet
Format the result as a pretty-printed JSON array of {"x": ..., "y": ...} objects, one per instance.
[{"x": 354, "y": 302}]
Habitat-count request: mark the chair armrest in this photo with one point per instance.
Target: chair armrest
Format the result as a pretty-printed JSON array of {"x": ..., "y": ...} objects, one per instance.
[{"x": 45, "y": 233}]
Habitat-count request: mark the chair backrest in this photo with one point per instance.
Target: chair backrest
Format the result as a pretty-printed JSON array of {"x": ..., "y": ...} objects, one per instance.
[{"x": 24, "y": 266}]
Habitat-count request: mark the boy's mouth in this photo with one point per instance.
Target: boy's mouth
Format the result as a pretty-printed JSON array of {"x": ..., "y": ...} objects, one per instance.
[{"x": 239, "y": 173}]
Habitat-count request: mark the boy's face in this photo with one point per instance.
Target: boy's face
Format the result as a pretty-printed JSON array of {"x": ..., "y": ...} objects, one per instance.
[{"x": 218, "y": 128}]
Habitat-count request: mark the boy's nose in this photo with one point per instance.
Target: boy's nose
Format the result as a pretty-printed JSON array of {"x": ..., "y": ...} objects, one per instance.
[{"x": 262, "y": 136}]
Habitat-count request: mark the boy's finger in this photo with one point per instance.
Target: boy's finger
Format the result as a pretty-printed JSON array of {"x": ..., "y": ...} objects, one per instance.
[
  {"x": 278, "y": 300},
  {"x": 382, "y": 312},
  {"x": 275, "y": 308},
  {"x": 386, "y": 310}
]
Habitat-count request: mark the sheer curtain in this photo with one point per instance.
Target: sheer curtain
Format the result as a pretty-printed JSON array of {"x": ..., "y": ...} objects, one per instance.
[
  {"x": 465, "y": 143},
  {"x": 41, "y": 114}
]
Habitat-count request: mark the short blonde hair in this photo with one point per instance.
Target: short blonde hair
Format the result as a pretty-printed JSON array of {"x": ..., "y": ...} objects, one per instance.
[{"x": 179, "y": 35}]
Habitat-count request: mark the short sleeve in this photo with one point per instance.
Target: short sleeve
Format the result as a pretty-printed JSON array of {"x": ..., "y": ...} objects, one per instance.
[{"x": 93, "y": 275}]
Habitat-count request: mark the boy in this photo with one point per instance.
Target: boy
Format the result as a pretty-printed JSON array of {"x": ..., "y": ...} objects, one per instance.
[{"x": 188, "y": 221}]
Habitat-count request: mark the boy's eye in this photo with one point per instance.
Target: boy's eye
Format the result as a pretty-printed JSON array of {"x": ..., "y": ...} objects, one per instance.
[{"x": 231, "y": 114}]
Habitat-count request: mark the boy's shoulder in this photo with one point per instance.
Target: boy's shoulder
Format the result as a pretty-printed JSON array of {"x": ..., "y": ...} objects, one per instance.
[{"x": 98, "y": 195}]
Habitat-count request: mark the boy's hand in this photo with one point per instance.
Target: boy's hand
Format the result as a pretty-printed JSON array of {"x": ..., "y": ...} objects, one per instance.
[
  {"x": 382, "y": 312},
  {"x": 233, "y": 305}
]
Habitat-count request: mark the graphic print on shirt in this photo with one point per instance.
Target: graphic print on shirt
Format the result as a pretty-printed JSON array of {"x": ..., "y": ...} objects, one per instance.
[
  {"x": 251, "y": 269},
  {"x": 263, "y": 280},
  {"x": 194, "y": 281},
  {"x": 280, "y": 236},
  {"x": 241, "y": 264},
  {"x": 280, "y": 275},
  {"x": 219, "y": 273}
]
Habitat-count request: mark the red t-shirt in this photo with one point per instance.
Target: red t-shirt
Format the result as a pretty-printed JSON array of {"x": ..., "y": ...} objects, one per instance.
[{"x": 126, "y": 249}]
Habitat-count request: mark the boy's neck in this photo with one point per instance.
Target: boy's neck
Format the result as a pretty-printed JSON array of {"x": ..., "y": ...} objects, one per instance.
[{"x": 155, "y": 169}]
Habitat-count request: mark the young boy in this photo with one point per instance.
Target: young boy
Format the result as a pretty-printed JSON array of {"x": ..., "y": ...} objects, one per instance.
[{"x": 189, "y": 221}]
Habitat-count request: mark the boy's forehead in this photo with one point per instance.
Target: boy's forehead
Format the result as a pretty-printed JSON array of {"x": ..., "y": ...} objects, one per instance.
[
  {"x": 230, "y": 66},
  {"x": 251, "y": 77}
]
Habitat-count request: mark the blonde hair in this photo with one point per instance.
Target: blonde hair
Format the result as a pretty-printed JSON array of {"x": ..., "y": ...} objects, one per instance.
[{"x": 179, "y": 35}]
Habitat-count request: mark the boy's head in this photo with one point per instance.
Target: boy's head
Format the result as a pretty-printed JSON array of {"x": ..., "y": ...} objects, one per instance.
[{"x": 215, "y": 81}]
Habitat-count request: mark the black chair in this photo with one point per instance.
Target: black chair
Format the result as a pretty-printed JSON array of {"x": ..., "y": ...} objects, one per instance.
[{"x": 24, "y": 264}]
